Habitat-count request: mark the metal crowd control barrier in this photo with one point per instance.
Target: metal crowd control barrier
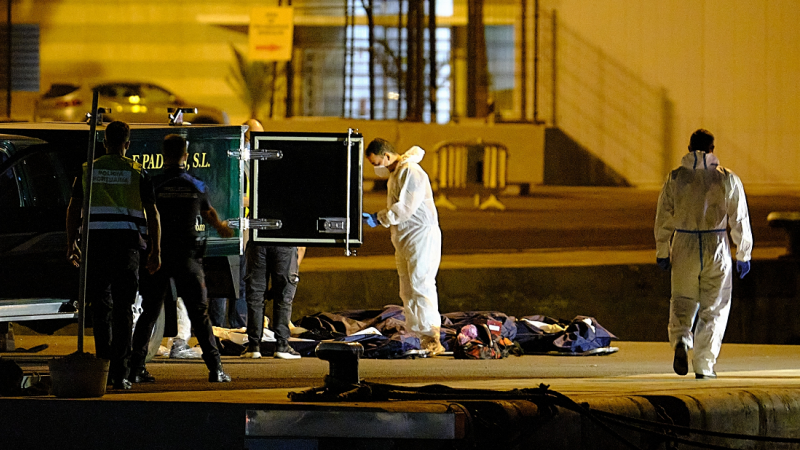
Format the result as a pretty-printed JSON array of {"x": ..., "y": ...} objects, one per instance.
[{"x": 470, "y": 168}]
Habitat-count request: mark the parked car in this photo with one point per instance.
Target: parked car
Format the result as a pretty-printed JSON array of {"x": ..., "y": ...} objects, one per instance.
[{"x": 130, "y": 101}]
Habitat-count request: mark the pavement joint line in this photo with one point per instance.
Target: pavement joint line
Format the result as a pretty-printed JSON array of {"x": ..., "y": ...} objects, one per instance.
[{"x": 572, "y": 257}]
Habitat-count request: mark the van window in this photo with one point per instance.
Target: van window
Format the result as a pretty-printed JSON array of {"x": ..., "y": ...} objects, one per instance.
[
  {"x": 9, "y": 192},
  {"x": 44, "y": 177}
]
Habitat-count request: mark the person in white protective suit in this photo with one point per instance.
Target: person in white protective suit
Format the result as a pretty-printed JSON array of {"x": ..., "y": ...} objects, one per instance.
[
  {"x": 699, "y": 200},
  {"x": 414, "y": 222}
]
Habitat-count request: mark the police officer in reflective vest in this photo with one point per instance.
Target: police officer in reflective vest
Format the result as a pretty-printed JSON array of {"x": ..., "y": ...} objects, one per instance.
[
  {"x": 185, "y": 210},
  {"x": 122, "y": 209}
]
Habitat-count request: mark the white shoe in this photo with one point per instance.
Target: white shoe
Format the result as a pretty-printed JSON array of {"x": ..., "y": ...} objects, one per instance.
[
  {"x": 414, "y": 354},
  {"x": 289, "y": 353},
  {"x": 251, "y": 354}
]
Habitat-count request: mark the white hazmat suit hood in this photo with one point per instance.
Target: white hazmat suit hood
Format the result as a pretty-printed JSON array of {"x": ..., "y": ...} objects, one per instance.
[
  {"x": 411, "y": 214},
  {"x": 698, "y": 202}
]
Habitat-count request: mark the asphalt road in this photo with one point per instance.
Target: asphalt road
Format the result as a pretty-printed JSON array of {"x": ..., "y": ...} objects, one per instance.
[{"x": 561, "y": 217}]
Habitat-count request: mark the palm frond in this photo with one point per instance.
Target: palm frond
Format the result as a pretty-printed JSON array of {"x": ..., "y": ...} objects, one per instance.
[{"x": 251, "y": 81}]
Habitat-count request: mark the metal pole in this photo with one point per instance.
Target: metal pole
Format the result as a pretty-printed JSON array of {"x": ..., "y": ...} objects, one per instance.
[
  {"x": 524, "y": 59},
  {"x": 419, "y": 76},
  {"x": 87, "y": 201},
  {"x": 352, "y": 49},
  {"x": 370, "y": 10},
  {"x": 401, "y": 81},
  {"x": 290, "y": 79},
  {"x": 432, "y": 53},
  {"x": 555, "y": 69},
  {"x": 536, "y": 63},
  {"x": 412, "y": 68},
  {"x": 9, "y": 86},
  {"x": 477, "y": 66},
  {"x": 344, "y": 63},
  {"x": 347, "y": 251},
  {"x": 273, "y": 82}
]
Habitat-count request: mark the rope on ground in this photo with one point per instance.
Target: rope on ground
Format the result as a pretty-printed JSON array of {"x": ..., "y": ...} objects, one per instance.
[
  {"x": 666, "y": 437},
  {"x": 367, "y": 391}
]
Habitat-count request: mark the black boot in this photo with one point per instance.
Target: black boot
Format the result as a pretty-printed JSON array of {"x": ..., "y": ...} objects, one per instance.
[
  {"x": 141, "y": 375},
  {"x": 118, "y": 376},
  {"x": 680, "y": 364},
  {"x": 218, "y": 376},
  {"x": 120, "y": 383}
]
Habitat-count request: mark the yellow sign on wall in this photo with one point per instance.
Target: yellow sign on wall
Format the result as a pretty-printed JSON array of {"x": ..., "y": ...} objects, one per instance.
[{"x": 271, "y": 33}]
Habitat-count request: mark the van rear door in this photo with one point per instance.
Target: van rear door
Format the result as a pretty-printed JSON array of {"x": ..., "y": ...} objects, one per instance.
[{"x": 310, "y": 184}]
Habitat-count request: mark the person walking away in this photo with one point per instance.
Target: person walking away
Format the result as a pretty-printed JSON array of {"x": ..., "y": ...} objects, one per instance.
[
  {"x": 413, "y": 220},
  {"x": 698, "y": 201},
  {"x": 185, "y": 211},
  {"x": 122, "y": 208}
]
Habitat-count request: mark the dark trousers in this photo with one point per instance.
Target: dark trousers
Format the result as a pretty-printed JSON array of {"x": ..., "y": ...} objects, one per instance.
[
  {"x": 277, "y": 265},
  {"x": 235, "y": 309},
  {"x": 190, "y": 284},
  {"x": 112, "y": 282}
]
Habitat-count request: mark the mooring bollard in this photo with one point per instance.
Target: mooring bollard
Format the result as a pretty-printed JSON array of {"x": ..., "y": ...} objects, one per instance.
[{"x": 343, "y": 358}]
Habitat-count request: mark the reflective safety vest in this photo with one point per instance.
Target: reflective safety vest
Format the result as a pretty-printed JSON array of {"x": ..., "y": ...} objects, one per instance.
[{"x": 116, "y": 202}]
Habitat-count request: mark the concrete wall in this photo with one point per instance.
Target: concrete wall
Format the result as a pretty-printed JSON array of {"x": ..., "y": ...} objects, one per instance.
[
  {"x": 631, "y": 301},
  {"x": 525, "y": 142},
  {"x": 727, "y": 65}
]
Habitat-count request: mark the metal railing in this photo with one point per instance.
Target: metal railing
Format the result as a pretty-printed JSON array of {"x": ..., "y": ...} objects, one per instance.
[{"x": 470, "y": 168}]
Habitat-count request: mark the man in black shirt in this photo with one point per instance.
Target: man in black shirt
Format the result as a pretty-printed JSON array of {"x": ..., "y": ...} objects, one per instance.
[{"x": 183, "y": 203}]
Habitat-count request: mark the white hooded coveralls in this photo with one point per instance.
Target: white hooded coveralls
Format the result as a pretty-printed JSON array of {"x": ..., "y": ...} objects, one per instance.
[
  {"x": 417, "y": 239},
  {"x": 699, "y": 200}
]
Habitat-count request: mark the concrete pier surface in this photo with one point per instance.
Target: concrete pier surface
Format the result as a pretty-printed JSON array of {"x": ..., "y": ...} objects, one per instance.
[
  {"x": 757, "y": 394},
  {"x": 559, "y": 252}
]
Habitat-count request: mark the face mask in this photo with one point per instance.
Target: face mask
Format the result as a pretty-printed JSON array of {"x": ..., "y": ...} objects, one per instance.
[{"x": 381, "y": 171}]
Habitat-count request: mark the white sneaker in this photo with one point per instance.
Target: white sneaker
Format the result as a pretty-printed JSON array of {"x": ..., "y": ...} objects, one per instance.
[
  {"x": 252, "y": 354},
  {"x": 288, "y": 353}
]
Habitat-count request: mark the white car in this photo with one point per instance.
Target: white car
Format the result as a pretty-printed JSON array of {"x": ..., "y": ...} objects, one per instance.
[{"x": 129, "y": 101}]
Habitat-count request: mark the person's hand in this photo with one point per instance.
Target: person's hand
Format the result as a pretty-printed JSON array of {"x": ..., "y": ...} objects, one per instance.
[
  {"x": 371, "y": 219},
  {"x": 663, "y": 263},
  {"x": 742, "y": 267},
  {"x": 225, "y": 231},
  {"x": 153, "y": 262},
  {"x": 74, "y": 255}
]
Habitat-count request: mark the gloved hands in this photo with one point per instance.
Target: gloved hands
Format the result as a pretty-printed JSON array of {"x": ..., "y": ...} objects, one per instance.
[
  {"x": 663, "y": 263},
  {"x": 742, "y": 267},
  {"x": 371, "y": 219}
]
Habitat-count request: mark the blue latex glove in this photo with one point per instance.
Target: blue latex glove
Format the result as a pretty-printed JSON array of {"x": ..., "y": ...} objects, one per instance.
[
  {"x": 663, "y": 263},
  {"x": 371, "y": 219},
  {"x": 743, "y": 268}
]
